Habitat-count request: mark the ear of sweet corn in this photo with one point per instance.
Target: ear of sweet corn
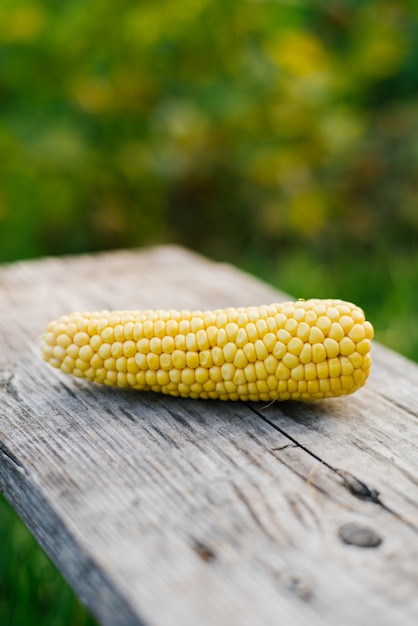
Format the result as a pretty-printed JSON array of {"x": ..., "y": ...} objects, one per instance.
[{"x": 302, "y": 350}]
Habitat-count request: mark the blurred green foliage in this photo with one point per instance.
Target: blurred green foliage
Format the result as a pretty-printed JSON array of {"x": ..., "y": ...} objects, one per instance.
[
  {"x": 221, "y": 124},
  {"x": 251, "y": 130},
  {"x": 31, "y": 590},
  {"x": 279, "y": 135}
]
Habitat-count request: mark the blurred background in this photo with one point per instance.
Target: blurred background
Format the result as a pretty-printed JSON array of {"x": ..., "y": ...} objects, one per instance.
[{"x": 279, "y": 135}]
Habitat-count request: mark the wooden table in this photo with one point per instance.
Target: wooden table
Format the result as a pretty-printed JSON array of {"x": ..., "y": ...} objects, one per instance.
[{"x": 163, "y": 511}]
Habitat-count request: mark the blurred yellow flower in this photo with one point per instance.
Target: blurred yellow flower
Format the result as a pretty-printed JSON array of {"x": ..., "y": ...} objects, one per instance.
[
  {"x": 93, "y": 94},
  {"x": 298, "y": 52},
  {"x": 21, "y": 24}
]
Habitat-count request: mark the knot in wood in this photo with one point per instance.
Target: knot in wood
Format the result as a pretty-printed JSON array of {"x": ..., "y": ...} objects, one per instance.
[{"x": 356, "y": 534}]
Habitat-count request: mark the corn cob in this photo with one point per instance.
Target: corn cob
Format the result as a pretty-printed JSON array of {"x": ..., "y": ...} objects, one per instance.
[{"x": 302, "y": 350}]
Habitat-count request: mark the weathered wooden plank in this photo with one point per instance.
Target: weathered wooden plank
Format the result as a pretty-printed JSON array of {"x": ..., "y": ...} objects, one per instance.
[{"x": 163, "y": 511}]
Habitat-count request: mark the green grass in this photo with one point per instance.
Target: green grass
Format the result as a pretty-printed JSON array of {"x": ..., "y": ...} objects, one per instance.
[{"x": 32, "y": 591}]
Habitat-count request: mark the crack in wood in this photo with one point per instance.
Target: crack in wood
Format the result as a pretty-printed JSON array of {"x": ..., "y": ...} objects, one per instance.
[
  {"x": 284, "y": 446},
  {"x": 10, "y": 457},
  {"x": 354, "y": 485},
  {"x": 357, "y": 487}
]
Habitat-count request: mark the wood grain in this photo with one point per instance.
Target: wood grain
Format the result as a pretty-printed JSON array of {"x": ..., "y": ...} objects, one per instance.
[{"x": 163, "y": 511}]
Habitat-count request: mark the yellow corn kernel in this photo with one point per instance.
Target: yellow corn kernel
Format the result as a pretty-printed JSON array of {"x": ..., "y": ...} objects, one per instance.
[
  {"x": 162, "y": 377},
  {"x": 346, "y": 322},
  {"x": 249, "y": 351},
  {"x": 63, "y": 341},
  {"x": 295, "y": 346},
  {"x": 129, "y": 348},
  {"x": 262, "y": 327},
  {"x": 279, "y": 350},
  {"x": 205, "y": 358},
  {"x": 128, "y": 330},
  {"x": 322, "y": 370},
  {"x": 357, "y": 333},
  {"x": 347, "y": 346},
  {"x": 192, "y": 359},
  {"x": 346, "y": 366},
  {"x": 141, "y": 360},
  {"x": 364, "y": 346},
  {"x": 116, "y": 349},
  {"x": 262, "y": 387},
  {"x": 191, "y": 343},
  {"x": 316, "y": 335},
  {"x": 241, "y": 338},
  {"x": 168, "y": 344},
  {"x": 334, "y": 366},
  {"x": 332, "y": 347},
  {"x": 250, "y": 373},
  {"x": 260, "y": 370},
  {"x": 229, "y": 351},
  {"x": 260, "y": 350},
  {"x": 347, "y": 382},
  {"x": 201, "y": 375},
  {"x": 188, "y": 376},
  {"x": 96, "y": 362},
  {"x": 143, "y": 345},
  {"x": 240, "y": 360},
  {"x": 180, "y": 342},
  {"x": 232, "y": 331},
  {"x": 271, "y": 364},
  {"x": 311, "y": 318},
  {"x": 304, "y": 350},
  {"x": 222, "y": 338},
  {"x": 166, "y": 362},
  {"x": 227, "y": 371},
  {"x": 239, "y": 377},
  {"x": 282, "y": 372},
  {"x": 269, "y": 341},
  {"x": 218, "y": 355},
  {"x": 324, "y": 385},
  {"x": 303, "y": 331},
  {"x": 313, "y": 386},
  {"x": 318, "y": 353},
  {"x": 324, "y": 324},
  {"x": 196, "y": 324},
  {"x": 284, "y": 336},
  {"x": 171, "y": 328},
  {"x": 86, "y": 353},
  {"x": 138, "y": 332},
  {"x": 298, "y": 372},
  {"x": 174, "y": 376},
  {"x": 290, "y": 360},
  {"x": 153, "y": 361},
  {"x": 131, "y": 365},
  {"x": 306, "y": 355},
  {"x": 310, "y": 371},
  {"x": 336, "y": 332},
  {"x": 118, "y": 333},
  {"x": 251, "y": 332},
  {"x": 202, "y": 340},
  {"x": 215, "y": 373},
  {"x": 179, "y": 359},
  {"x": 121, "y": 365}
]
